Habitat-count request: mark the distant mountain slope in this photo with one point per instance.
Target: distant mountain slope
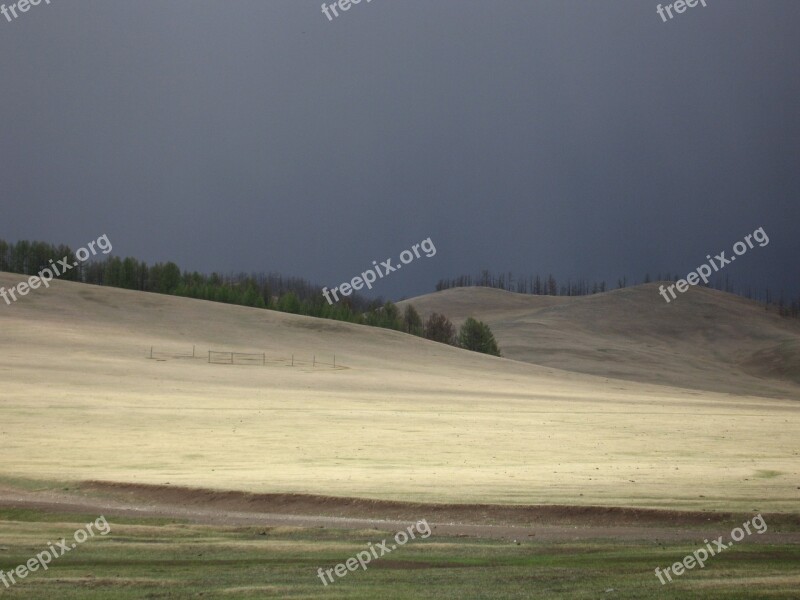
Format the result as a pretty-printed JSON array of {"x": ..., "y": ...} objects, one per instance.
[{"x": 706, "y": 339}]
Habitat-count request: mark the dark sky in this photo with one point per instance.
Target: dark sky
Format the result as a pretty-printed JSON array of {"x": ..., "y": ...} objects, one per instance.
[{"x": 585, "y": 138}]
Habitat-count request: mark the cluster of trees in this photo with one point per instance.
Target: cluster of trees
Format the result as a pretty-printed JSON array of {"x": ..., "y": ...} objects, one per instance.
[
  {"x": 286, "y": 294},
  {"x": 29, "y": 258},
  {"x": 473, "y": 334},
  {"x": 290, "y": 294},
  {"x": 548, "y": 286},
  {"x": 534, "y": 284}
]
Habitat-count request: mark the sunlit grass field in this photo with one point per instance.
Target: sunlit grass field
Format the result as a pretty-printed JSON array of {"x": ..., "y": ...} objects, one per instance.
[{"x": 152, "y": 558}]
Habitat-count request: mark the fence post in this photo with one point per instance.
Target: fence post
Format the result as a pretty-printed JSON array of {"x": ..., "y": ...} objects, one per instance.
[
  {"x": 151, "y": 352},
  {"x": 192, "y": 350},
  {"x": 292, "y": 359},
  {"x": 209, "y": 357},
  {"x": 314, "y": 364},
  {"x": 334, "y": 361},
  {"x": 264, "y": 359}
]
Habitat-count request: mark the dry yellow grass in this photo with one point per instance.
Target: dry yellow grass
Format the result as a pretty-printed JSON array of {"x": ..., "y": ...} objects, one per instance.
[
  {"x": 705, "y": 339},
  {"x": 406, "y": 418}
]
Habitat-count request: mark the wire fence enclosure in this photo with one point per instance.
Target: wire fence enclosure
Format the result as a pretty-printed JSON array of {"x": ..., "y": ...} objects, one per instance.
[
  {"x": 236, "y": 358},
  {"x": 162, "y": 354},
  {"x": 260, "y": 359}
]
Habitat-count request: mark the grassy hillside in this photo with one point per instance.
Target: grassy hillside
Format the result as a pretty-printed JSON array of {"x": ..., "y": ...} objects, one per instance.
[
  {"x": 400, "y": 418},
  {"x": 706, "y": 339}
]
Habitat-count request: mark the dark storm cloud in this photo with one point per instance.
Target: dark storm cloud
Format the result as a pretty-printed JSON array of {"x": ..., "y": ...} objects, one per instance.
[{"x": 589, "y": 139}]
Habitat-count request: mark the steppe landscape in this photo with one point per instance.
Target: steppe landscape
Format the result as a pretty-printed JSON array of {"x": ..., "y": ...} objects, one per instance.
[
  {"x": 504, "y": 449},
  {"x": 399, "y": 300}
]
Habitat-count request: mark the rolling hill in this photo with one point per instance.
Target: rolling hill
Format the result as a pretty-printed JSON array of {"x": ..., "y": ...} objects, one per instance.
[
  {"x": 399, "y": 418},
  {"x": 705, "y": 340}
]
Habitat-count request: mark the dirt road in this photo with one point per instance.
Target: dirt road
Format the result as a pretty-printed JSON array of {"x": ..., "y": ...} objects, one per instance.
[{"x": 542, "y": 523}]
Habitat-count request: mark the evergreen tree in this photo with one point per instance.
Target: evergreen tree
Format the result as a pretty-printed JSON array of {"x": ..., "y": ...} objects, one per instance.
[
  {"x": 170, "y": 278},
  {"x": 476, "y": 336},
  {"x": 412, "y": 323},
  {"x": 289, "y": 303}
]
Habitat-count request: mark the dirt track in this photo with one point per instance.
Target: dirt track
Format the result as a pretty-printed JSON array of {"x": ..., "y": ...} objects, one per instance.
[{"x": 544, "y": 523}]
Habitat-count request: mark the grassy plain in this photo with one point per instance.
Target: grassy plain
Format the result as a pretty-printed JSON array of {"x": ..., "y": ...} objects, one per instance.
[
  {"x": 152, "y": 559},
  {"x": 401, "y": 419}
]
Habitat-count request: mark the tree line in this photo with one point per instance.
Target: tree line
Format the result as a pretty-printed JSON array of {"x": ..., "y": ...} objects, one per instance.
[
  {"x": 269, "y": 291},
  {"x": 549, "y": 286}
]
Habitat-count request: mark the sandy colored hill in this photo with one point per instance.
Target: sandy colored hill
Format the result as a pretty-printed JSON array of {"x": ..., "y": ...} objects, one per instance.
[
  {"x": 706, "y": 339},
  {"x": 401, "y": 418}
]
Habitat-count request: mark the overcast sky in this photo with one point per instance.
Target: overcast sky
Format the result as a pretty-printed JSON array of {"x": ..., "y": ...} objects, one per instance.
[{"x": 584, "y": 138}]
